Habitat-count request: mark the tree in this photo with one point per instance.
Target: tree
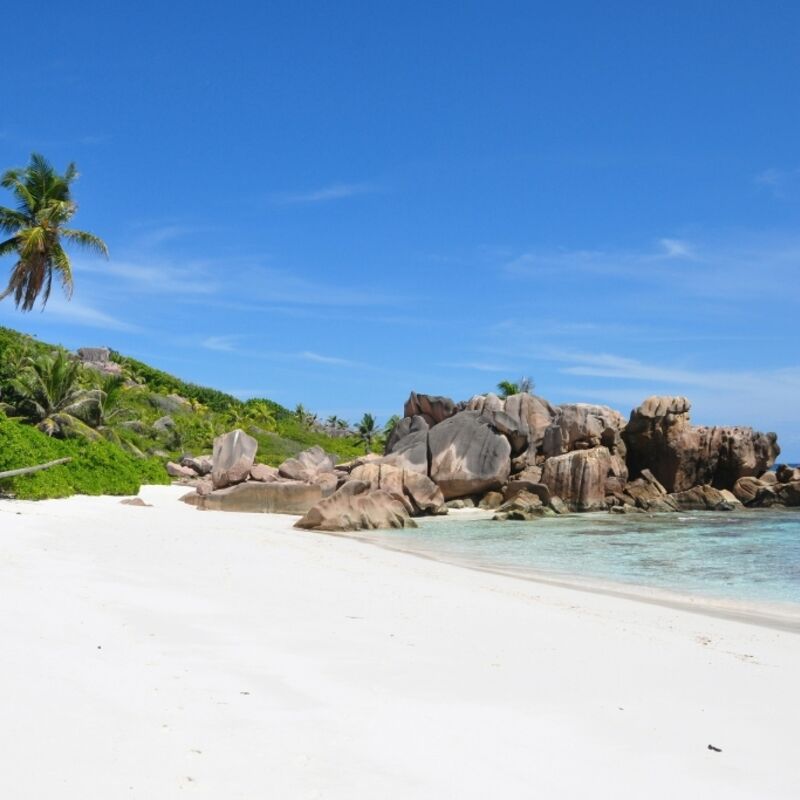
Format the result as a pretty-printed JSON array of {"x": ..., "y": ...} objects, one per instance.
[
  {"x": 48, "y": 392},
  {"x": 37, "y": 227},
  {"x": 507, "y": 388},
  {"x": 390, "y": 425},
  {"x": 367, "y": 430}
]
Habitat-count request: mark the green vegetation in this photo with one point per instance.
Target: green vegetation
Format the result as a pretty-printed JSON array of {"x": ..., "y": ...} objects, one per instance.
[
  {"x": 507, "y": 388},
  {"x": 96, "y": 467},
  {"x": 128, "y": 425},
  {"x": 37, "y": 227}
]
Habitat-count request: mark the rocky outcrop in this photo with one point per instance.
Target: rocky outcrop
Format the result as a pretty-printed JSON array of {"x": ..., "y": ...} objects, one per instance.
[
  {"x": 264, "y": 473},
  {"x": 660, "y": 437},
  {"x": 432, "y": 408},
  {"x": 307, "y": 465},
  {"x": 524, "y": 506},
  {"x": 747, "y": 489},
  {"x": 705, "y": 498},
  {"x": 581, "y": 426},
  {"x": 647, "y": 494},
  {"x": 410, "y": 452},
  {"x": 200, "y": 465},
  {"x": 417, "y": 492},
  {"x": 787, "y": 474},
  {"x": 523, "y": 418},
  {"x": 354, "y": 507},
  {"x": 583, "y": 478},
  {"x": 468, "y": 456},
  {"x": 178, "y": 471},
  {"x": 403, "y": 428},
  {"x": 234, "y": 454},
  {"x": 279, "y": 497}
]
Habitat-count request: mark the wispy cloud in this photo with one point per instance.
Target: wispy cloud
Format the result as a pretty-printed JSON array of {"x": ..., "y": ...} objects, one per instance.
[
  {"x": 75, "y": 312},
  {"x": 221, "y": 344},
  {"x": 308, "y": 355},
  {"x": 336, "y": 191},
  {"x": 158, "y": 276},
  {"x": 479, "y": 366},
  {"x": 779, "y": 182}
]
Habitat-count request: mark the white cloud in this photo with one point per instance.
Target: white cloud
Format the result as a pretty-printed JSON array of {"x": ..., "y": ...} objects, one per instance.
[
  {"x": 220, "y": 344},
  {"x": 337, "y": 191},
  {"x": 309, "y": 355}
]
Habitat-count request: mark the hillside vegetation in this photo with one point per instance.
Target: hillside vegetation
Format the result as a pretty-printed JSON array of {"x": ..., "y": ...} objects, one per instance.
[{"x": 121, "y": 429}]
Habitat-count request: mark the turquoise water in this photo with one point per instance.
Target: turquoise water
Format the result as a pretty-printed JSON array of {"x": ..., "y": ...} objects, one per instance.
[{"x": 745, "y": 557}]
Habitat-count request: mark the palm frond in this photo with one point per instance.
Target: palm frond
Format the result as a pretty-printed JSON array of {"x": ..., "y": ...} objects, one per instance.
[{"x": 86, "y": 240}]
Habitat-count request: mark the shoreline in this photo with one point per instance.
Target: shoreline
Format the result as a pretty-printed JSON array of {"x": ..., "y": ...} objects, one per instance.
[{"x": 151, "y": 651}]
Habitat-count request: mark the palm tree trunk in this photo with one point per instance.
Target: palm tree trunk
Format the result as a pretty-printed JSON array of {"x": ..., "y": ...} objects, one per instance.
[{"x": 12, "y": 473}]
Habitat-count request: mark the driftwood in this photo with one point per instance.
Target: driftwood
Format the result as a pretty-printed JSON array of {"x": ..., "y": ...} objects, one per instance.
[{"x": 12, "y": 473}]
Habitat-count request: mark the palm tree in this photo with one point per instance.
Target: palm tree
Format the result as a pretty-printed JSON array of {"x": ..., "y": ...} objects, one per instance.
[
  {"x": 261, "y": 415},
  {"x": 49, "y": 393},
  {"x": 37, "y": 227},
  {"x": 507, "y": 388},
  {"x": 367, "y": 430}
]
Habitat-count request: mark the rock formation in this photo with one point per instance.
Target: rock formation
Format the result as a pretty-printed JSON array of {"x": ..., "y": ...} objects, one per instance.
[
  {"x": 234, "y": 454},
  {"x": 354, "y": 507},
  {"x": 661, "y": 438}
]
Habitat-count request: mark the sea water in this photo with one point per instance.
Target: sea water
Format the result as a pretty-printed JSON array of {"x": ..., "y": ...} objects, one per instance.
[{"x": 751, "y": 556}]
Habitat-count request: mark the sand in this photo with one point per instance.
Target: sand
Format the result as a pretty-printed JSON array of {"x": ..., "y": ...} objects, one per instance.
[{"x": 165, "y": 652}]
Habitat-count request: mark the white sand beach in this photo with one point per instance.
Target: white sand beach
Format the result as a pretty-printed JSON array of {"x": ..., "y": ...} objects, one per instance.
[{"x": 165, "y": 652}]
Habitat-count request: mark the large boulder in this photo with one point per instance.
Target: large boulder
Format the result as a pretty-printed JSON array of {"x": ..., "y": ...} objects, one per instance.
[
  {"x": 307, "y": 465},
  {"x": 524, "y": 506},
  {"x": 468, "y": 456},
  {"x": 416, "y": 491},
  {"x": 778, "y": 494},
  {"x": 278, "y": 497},
  {"x": 647, "y": 494},
  {"x": 202, "y": 465},
  {"x": 786, "y": 474},
  {"x": 405, "y": 427},
  {"x": 354, "y": 507},
  {"x": 523, "y": 418},
  {"x": 582, "y": 426},
  {"x": 746, "y": 489},
  {"x": 661, "y": 438},
  {"x": 234, "y": 454},
  {"x": 264, "y": 473},
  {"x": 432, "y": 408},
  {"x": 179, "y": 471},
  {"x": 583, "y": 478},
  {"x": 705, "y": 498},
  {"x": 410, "y": 452}
]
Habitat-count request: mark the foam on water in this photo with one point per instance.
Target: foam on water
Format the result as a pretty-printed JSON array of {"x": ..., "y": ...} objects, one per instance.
[{"x": 743, "y": 557}]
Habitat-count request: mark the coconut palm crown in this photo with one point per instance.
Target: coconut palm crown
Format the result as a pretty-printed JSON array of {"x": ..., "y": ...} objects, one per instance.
[{"x": 37, "y": 227}]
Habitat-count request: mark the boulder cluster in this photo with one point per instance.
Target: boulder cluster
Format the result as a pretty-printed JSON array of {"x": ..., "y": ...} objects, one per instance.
[
  {"x": 525, "y": 457},
  {"x": 520, "y": 456},
  {"x": 334, "y": 497}
]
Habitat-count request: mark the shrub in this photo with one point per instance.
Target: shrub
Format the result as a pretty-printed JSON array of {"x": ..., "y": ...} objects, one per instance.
[{"x": 96, "y": 467}]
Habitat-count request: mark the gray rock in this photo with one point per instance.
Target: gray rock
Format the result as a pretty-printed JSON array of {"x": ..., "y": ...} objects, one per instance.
[
  {"x": 491, "y": 500},
  {"x": 354, "y": 507},
  {"x": 583, "y": 478},
  {"x": 416, "y": 491},
  {"x": 787, "y": 474},
  {"x": 169, "y": 403},
  {"x": 308, "y": 464},
  {"x": 234, "y": 455},
  {"x": 263, "y": 473},
  {"x": 410, "y": 452},
  {"x": 746, "y": 489},
  {"x": 514, "y": 487},
  {"x": 405, "y": 427},
  {"x": 467, "y": 455},
  {"x": 582, "y": 426},
  {"x": 202, "y": 465},
  {"x": 164, "y": 424},
  {"x": 279, "y": 497},
  {"x": 177, "y": 471},
  {"x": 523, "y": 506},
  {"x": 660, "y": 437},
  {"x": 704, "y": 498},
  {"x": 432, "y": 408}
]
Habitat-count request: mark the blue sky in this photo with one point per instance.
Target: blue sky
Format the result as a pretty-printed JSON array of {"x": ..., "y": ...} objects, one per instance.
[{"x": 335, "y": 203}]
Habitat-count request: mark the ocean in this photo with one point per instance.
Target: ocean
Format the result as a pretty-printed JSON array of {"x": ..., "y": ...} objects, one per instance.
[{"x": 745, "y": 557}]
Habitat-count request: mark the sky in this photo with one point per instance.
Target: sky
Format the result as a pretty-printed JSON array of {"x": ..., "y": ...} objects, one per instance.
[{"x": 337, "y": 203}]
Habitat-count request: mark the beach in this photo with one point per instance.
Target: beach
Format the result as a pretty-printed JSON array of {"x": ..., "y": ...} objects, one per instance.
[{"x": 163, "y": 652}]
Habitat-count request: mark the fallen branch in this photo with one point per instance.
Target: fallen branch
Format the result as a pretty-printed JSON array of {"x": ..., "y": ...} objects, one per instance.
[{"x": 12, "y": 473}]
